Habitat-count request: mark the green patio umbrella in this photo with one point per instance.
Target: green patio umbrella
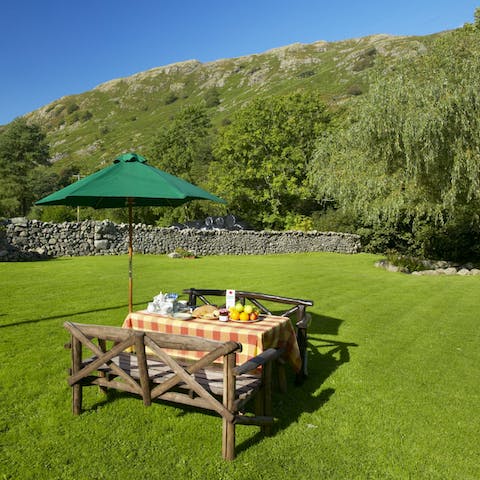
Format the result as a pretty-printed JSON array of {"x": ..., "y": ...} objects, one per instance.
[{"x": 129, "y": 182}]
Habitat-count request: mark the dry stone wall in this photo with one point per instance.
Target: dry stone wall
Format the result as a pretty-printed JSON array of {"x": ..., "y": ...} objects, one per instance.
[{"x": 22, "y": 239}]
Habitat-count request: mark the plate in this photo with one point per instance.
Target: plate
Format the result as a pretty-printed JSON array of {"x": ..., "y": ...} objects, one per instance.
[
  {"x": 247, "y": 321},
  {"x": 182, "y": 316}
]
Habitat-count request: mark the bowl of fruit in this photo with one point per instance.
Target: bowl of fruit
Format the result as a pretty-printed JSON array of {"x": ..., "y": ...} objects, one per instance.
[{"x": 244, "y": 313}]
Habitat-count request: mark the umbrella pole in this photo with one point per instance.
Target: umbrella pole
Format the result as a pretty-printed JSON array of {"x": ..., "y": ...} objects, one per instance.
[{"x": 130, "y": 255}]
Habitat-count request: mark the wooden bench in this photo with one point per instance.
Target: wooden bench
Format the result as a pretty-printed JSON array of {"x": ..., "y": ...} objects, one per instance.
[
  {"x": 294, "y": 307},
  {"x": 223, "y": 388}
]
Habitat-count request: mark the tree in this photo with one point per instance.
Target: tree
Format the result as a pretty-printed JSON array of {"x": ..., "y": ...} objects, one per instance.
[
  {"x": 407, "y": 166},
  {"x": 184, "y": 150},
  {"x": 261, "y": 158},
  {"x": 476, "y": 23},
  {"x": 23, "y": 147},
  {"x": 184, "y": 147}
]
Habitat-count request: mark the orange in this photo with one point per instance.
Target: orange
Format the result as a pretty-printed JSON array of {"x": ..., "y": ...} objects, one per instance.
[
  {"x": 244, "y": 316},
  {"x": 234, "y": 315}
]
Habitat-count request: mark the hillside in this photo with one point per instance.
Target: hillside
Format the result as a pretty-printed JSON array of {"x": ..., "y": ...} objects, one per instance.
[{"x": 91, "y": 128}]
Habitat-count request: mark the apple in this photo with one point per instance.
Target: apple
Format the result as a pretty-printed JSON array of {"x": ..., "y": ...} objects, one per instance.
[
  {"x": 239, "y": 307},
  {"x": 248, "y": 309}
]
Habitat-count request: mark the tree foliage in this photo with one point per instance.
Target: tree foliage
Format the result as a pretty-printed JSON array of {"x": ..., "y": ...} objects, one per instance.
[
  {"x": 184, "y": 149},
  {"x": 407, "y": 165},
  {"x": 23, "y": 147},
  {"x": 261, "y": 158}
]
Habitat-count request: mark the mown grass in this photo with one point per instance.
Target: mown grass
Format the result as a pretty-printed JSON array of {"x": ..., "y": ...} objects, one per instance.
[{"x": 392, "y": 391}]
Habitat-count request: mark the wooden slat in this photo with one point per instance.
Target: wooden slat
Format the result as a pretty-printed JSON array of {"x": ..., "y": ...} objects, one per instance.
[
  {"x": 261, "y": 359},
  {"x": 143, "y": 368},
  {"x": 248, "y": 295},
  {"x": 228, "y": 431},
  {"x": 257, "y": 420},
  {"x": 211, "y": 378},
  {"x": 184, "y": 342},
  {"x": 164, "y": 340}
]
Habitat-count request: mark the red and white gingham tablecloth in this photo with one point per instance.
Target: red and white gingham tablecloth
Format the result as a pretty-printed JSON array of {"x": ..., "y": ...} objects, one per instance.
[{"x": 270, "y": 332}]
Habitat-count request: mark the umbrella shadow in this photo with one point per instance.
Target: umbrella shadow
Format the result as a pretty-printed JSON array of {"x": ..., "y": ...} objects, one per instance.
[{"x": 68, "y": 315}]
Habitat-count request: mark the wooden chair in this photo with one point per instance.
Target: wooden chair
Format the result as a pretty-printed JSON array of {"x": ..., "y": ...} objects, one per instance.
[
  {"x": 120, "y": 361},
  {"x": 295, "y": 307}
]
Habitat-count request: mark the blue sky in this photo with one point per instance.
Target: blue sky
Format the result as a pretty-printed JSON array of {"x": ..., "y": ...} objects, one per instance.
[{"x": 52, "y": 48}]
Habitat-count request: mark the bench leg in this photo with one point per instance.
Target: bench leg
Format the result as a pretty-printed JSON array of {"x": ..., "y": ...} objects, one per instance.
[
  {"x": 267, "y": 394},
  {"x": 302, "y": 345},
  {"x": 228, "y": 440},
  {"x": 228, "y": 432},
  {"x": 77, "y": 399},
  {"x": 76, "y": 366}
]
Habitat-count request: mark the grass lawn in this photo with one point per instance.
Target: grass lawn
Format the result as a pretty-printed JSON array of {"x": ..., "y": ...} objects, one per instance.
[{"x": 393, "y": 389}]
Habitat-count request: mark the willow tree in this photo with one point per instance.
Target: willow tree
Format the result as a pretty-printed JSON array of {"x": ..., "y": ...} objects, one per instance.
[{"x": 407, "y": 165}]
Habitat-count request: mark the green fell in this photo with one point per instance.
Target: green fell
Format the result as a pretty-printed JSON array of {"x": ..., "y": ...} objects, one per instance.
[{"x": 89, "y": 129}]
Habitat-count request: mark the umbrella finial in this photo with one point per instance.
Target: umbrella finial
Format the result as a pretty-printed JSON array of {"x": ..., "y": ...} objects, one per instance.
[{"x": 130, "y": 157}]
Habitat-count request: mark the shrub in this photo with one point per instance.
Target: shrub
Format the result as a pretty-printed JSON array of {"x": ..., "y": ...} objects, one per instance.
[
  {"x": 298, "y": 222},
  {"x": 212, "y": 98},
  {"x": 184, "y": 252},
  {"x": 170, "y": 98},
  {"x": 406, "y": 262}
]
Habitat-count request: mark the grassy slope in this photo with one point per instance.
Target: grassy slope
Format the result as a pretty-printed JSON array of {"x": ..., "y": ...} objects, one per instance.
[
  {"x": 126, "y": 114},
  {"x": 392, "y": 392}
]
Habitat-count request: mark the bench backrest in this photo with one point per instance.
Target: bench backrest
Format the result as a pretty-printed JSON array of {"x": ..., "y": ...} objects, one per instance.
[
  {"x": 124, "y": 339},
  {"x": 293, "y": 305}
]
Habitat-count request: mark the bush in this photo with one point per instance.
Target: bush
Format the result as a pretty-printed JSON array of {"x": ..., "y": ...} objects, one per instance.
[
  {"x": 298, "y": 222},
  {"x": 212, "y": 98},
  {"x": 331, "y": 220},
  {"x": 72, "y": 107},
  {"x": 54, "y": 214},
  {"x": 184, "y": 252},
  {"x": 405, "y": 262}
]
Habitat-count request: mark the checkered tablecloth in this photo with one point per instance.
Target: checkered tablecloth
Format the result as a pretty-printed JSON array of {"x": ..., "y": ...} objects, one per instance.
[{"x": 270, "y": 332}]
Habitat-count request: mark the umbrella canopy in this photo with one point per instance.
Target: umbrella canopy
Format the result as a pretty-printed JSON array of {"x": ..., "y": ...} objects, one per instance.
[{"x": 129, "y": 182}]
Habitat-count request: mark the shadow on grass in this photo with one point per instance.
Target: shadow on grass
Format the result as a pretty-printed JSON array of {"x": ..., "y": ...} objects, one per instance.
[
  {"x": 68, "y": 315},
  {"x": 325, "y": 356}
]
